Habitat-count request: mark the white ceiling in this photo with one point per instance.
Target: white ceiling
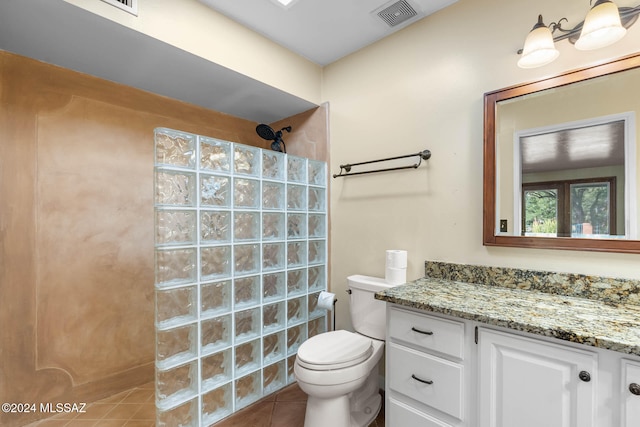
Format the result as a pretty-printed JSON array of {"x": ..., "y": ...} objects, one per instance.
[
  {"x": 322, "y": 31},
  {"x": 59, "y": 33}
]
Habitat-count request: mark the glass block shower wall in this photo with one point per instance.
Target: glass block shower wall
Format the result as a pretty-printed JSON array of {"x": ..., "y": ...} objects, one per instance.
[{"x": 241, "y": 250}]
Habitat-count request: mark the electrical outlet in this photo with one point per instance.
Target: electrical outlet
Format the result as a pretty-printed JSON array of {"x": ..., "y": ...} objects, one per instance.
[{"x": 503, "y": 225}]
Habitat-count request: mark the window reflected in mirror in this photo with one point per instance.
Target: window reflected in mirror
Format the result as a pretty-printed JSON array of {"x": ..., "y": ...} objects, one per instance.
[{"x": 582, "y": 208}]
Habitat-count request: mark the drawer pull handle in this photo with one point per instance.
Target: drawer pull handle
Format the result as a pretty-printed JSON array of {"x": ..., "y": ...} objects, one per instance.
[
  {"x": 634, "y": 389},
  {"x": 414, "y": 329},
  {"x": 421, "y": 380}
]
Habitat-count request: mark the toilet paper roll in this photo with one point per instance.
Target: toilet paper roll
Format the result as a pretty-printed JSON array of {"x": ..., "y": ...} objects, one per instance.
[
  {"x": 396, "y": 258},
  {"x": 395, "y": 276},
  {"x": 325, "y": 300}
]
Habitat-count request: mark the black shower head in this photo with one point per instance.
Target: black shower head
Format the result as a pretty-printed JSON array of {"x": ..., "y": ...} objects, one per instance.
[{"x": 266, "y": 132}]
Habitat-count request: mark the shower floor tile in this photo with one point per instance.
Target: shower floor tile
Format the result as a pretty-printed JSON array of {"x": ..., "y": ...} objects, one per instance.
[
  {"x": 136, "y": 408},
  {"x": 132, "y": 408}
]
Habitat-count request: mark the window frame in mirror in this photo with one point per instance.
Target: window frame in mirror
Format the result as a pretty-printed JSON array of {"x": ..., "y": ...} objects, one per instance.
[{"x": 491, "y": 100}]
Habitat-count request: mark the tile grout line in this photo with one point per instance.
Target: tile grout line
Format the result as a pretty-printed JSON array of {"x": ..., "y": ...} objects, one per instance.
[{"x": 273, "y": 409}]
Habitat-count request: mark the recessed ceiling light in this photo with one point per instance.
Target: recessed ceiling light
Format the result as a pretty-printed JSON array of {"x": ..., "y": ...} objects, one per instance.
[{"x": 285, "y": 3}]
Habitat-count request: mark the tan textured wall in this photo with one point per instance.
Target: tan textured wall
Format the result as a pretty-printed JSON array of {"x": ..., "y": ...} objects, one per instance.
[
  {"x": 76, "y": 230},
  {"x": 308, "y": 137}
]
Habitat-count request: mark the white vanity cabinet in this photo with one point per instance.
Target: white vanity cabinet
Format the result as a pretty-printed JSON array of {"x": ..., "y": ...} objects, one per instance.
[
  {"x": 442, "y": 371},
  {"x": 425, "y": 373},
  {"x": 526, "y": 382}
]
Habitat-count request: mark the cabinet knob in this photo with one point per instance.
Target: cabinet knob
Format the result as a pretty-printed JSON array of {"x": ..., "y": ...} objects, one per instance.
[
  {"x": 414, "y": 329},
  {"x": 584, "y": 376},
  {"x": 634, "y": 389}
]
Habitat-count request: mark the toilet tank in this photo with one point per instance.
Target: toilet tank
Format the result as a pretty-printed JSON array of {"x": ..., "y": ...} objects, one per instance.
[{"x": 368, "y": 315}]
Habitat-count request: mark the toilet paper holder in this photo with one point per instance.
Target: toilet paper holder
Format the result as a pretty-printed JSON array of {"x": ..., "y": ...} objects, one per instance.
[{"x": 335, "y": 300}]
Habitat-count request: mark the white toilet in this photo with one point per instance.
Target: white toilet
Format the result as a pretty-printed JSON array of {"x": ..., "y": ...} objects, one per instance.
[{"x": 339, "y": 370}]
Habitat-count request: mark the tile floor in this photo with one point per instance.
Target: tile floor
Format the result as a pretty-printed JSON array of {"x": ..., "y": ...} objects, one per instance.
[
  {"x": 136, "y": 408},
  {"x": 283, "y": 409},
  {"x": 132, "y": 408}
]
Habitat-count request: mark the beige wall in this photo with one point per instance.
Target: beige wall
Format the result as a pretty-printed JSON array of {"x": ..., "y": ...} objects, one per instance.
[
  {"x": 194, "y": 27},
  {"x": 423, "y": 88}
]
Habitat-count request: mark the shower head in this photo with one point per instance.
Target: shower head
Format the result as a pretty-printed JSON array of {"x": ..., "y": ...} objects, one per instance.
[{"x": 266, "y": 132}]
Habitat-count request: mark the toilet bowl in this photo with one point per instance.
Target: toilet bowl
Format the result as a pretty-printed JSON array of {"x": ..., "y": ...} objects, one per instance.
[
  {"x": 344, "y": 393},
  {"x": 339, "y": 370}
]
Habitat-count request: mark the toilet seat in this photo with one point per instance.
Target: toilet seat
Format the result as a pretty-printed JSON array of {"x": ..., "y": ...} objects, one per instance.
[{"x": 334, "y": 350}]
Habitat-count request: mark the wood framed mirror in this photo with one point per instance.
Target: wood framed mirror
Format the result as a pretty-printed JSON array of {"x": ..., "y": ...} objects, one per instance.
[{"x": 574, "y": 106}]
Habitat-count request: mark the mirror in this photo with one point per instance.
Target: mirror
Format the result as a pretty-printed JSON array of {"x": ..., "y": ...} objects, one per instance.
[{"x": 560, "y": 161}]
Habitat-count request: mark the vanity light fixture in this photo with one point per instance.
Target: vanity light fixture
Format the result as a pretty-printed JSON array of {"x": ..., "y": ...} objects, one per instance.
[
  {"x": 601, "y": 27},
  {"x": 605, "y": 24},
  {"x": 539, "y": 48}
]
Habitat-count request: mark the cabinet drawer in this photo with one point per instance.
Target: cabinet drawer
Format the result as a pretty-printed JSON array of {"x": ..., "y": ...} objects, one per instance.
[
  {"x": 407, "y": 367},
  {"x": 403, "y": 415},
  {"x": 428, "y": 332}
]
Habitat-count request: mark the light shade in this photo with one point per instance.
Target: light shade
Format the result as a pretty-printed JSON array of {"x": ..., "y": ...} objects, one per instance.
[
  {"x": 602, "y": 26},
  {"x": 539, "y": 48}
]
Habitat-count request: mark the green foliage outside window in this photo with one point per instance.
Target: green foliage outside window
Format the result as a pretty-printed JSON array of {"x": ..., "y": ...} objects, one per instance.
[
  {"x": 589, "y": 204},
  {"x": 541, "y": 207}
]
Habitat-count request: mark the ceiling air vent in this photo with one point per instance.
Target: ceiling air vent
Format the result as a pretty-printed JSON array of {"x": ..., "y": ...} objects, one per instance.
[
  {"x": 397, "y": 13},
  {"x": 130, "y": 6}
]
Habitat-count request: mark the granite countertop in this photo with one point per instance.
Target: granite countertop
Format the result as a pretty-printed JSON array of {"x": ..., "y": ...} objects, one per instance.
[{"x": 580, "y": 320}]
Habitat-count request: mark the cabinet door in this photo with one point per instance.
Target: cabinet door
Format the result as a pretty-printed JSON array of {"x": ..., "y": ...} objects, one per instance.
[
  {"x": 630, "y": 400},
  {"x": 530, "y": 383}
]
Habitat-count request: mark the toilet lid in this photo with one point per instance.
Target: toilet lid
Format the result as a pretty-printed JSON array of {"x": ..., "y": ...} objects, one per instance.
[{"x": 334, "y": 350}]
